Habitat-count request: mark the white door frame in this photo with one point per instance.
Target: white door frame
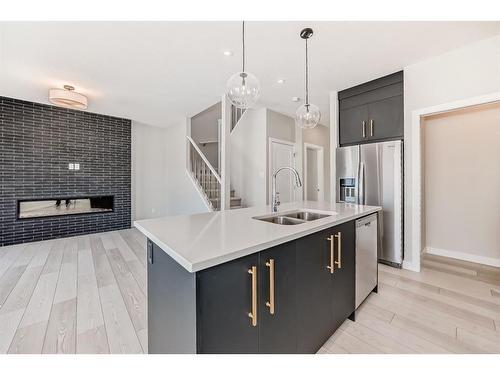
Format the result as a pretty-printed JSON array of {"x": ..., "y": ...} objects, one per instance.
[
  {"x": 416, "y": 166},
  {"x": 270, "y": 165},
  {"x": 321, "y": 170}
]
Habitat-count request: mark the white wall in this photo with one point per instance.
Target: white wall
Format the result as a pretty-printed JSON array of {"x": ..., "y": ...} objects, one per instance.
[
  {"x": 280, "y": 126},
  {"x": 205, "y": 130},
  {"x": 250, "y": 149},
  {"x": 182, "y": 197},
  {"x": 149, "y": 173},
  {"x": 462, "y": 184},
  {"x": 470, "y": 71},
  {"x": 248, "y": 157},
  {"x": 160, "y": 185},
  {"x": 283, "y": 127}
]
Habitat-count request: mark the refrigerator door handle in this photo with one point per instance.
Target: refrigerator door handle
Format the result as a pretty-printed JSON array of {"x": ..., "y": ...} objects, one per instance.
[{"x": 361, "y": 187}]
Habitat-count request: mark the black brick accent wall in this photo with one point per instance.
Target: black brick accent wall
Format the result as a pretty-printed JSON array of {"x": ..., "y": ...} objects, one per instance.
[{"x": 37, "y": 142}]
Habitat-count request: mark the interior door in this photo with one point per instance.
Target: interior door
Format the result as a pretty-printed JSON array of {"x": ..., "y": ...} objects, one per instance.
[{"x": 283, "y": 155}]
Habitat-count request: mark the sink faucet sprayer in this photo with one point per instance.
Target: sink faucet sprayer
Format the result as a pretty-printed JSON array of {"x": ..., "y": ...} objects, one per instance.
[{"x": 275, "y": 198}]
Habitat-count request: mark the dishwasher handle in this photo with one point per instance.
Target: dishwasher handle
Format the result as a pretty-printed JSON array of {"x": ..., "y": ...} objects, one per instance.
[{"x": 366, "y": 221}]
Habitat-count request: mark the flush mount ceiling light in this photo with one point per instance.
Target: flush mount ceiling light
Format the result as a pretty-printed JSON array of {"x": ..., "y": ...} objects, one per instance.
[
  {"x": 307, "y": 115},
  {"x": 243, "y": 88},
  {"x": 280, "y": 81},
  {"x": 228, "y": 53},
  {"x": 67, "y": 97}
]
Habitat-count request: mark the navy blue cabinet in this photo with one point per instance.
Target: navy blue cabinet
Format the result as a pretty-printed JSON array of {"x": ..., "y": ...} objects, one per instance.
[
  {"x": 344, "y": 275},
  {"x": 286, "y": 299},
  {"x": 224, "y": 300},
  {"x": 325, "y": 284},
  {"x": 278, "y": 300}
]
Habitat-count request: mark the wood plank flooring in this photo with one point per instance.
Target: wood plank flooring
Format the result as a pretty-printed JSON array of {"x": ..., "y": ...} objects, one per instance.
[
  {"x": 84, "y": 294},
  {"x": 88, "y": 294}
]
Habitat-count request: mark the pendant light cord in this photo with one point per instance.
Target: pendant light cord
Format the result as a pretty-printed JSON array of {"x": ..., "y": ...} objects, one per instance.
[
  {"x": 243, "y": 42},
  {"x": 307, "y": 78}
]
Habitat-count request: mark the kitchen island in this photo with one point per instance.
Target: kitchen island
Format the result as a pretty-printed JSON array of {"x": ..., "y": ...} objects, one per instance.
[{"x": 238, "y": 282}]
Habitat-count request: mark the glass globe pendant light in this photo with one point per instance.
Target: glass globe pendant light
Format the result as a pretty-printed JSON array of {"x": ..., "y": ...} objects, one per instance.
[
  {"x": 307, "y": 115},
  {"x": 243, "y": 88}
]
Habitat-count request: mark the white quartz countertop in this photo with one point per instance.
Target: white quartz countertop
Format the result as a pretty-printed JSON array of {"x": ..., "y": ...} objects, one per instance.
[{"x": 204, "y": 240}]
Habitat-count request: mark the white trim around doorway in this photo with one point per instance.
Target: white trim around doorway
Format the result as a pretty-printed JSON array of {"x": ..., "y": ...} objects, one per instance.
[
  {"x": 416, "y": 166},
  {"x": 321, "y": 169}
]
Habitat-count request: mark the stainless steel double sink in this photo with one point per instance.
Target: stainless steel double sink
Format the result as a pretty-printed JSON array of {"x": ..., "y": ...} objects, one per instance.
[{"x": 292, "y": 217}]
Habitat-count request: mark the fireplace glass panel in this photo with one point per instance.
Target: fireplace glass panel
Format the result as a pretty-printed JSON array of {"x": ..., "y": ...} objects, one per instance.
[{"x": 64, "y": 206}]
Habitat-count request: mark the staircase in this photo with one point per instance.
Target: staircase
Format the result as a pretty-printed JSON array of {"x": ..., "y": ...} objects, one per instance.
[
  {"x": 215, "y": 200},
  {"x": 207, "y": 179}
]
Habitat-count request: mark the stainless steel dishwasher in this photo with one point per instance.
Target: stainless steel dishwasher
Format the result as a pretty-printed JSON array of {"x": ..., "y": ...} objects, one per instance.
[{"x": 366, "y": 257}]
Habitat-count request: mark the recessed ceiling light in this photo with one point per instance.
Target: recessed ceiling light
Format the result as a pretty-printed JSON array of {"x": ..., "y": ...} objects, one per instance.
[
  {"x": 228, "y": 53},
  {"x": 280, "y": 81},
  {"x": 295, "y": 99}
]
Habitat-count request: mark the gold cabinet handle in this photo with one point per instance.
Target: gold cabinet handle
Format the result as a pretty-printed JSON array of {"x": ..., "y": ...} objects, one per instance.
[
  {"x": 253, "y": 315},
  {"x": 363, "y": 129},
  {"x": 270, "y": 303},
  {"x": 331, "y": 267},
  {"x": 371, "y": 127},
  {"x": 339, "y": 249}
]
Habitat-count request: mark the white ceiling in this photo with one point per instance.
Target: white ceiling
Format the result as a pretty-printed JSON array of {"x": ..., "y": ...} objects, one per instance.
[{"x": 160, "y": 72}]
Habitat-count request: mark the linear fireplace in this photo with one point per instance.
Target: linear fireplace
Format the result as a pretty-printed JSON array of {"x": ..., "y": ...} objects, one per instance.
[
  {"x": 41, "y": 196},
  {"x": 33, "y": 208}
]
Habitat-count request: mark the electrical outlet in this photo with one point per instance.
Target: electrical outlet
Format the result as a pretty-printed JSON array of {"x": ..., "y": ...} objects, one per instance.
[
  {"x": 71, "y": 166},
  {"x": 77, "y": 166}
]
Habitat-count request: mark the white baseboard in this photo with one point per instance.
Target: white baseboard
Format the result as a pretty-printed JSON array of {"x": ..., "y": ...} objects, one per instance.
[{"x": 495, "y": 262}]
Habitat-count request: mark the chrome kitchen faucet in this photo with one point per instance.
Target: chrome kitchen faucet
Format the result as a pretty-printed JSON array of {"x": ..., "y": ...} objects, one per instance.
[{"x": 275, "y": 199}]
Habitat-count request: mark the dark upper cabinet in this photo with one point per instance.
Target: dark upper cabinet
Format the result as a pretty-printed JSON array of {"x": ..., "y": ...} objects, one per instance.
[
  {"x": 343, "y": 303},
  {"x": 225, "y": 296},
  {"x": 353, "y": 123},
  {"x": 314, "y": 292},
  {"x": 372, "y": 112},
  {"x": 385, "y": 119},
  {"x": 277, "y": 320}
]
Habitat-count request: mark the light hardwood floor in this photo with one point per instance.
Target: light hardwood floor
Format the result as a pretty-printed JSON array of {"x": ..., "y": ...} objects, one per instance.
[{"x": 87, "y": 294}]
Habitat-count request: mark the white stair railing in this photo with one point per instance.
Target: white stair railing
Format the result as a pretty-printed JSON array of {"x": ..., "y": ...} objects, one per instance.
[{"x": 205, "y": 175}]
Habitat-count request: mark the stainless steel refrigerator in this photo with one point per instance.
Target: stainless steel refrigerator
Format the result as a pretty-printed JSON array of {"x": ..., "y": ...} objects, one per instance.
[{"x": 372, "y": 174}]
